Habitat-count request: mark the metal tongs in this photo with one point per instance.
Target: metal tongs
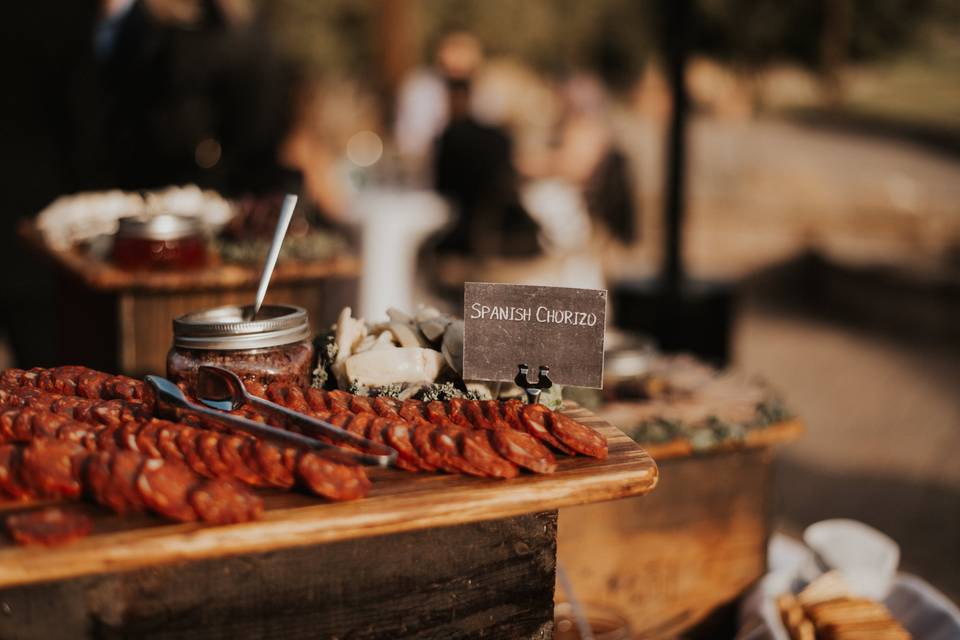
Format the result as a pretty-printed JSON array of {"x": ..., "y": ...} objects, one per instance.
[{"x": 220, "y": 390}]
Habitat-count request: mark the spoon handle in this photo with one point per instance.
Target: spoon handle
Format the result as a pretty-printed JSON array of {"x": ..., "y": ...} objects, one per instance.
[{"x": 286, "y": 213}]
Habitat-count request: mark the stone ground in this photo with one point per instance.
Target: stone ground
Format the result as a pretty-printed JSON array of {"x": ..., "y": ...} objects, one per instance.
[{"x": 883, "y": 431}]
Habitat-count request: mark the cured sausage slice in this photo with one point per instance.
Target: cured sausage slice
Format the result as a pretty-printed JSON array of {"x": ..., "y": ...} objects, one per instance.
[
  {"x": 78, "y": 433},
  {"x": 126, "y": 436},
  {"x": 493, "y": 412},
  {"x": 186, "y": 442},
  {"x": 578, "y": 437},
  {"x": 48, "y": 468},
  {"x": 522, "y": 449},
  {"x": 111, "y": 480},
  {"x": 386, "y": 407},
  {"x": 455, "y": 411},
  {"x": 536, "y": 417},
  {"x": 475, "y": 413},
  {"x": 49, "y": 527},
  {"x": 167, "y": 441},
  {"x": 339, "y": 401},
  {"x": 411, "y": 410},
  {"x": 107, "y": 440},
  {"x": 397, "y": 434},
  {"x": 331, "y": 479},
  {"x": 208, "y": 445},
  {"x": 270, "y": 463},
  {"x": 147, "y": 439},
  {"x": 11, "y": 486},
  {"x": 422, "y": 441},
  {"x": 256, "y": 388},
  {"x": 316, "y": 400},
  {"x": 90, "y": 384},
  {"x": 165, "y": 488},
  {"x": 359, "y": 404},
  {"x": 445, "y": 442},
  {"x": 436, "y": 412},
  {"x": 231, "y": 452},
  {"x": 289, "y": 396},
  {"x": 511, "y": 410},
  {"x": 225, "y": 502},
  {"x": 478, "y": 452}
]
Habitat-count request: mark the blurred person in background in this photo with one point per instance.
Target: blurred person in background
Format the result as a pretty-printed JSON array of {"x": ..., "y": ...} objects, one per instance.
[{"x": 131, "y": 94}]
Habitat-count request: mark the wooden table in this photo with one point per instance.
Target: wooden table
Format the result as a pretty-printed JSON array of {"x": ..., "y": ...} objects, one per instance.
[
  {"x": 677, "y": 562},
  {"x": 116, "y": 320},
  {"x": 424, "y": 556}
]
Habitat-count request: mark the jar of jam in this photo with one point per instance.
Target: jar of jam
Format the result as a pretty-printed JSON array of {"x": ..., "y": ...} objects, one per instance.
[
  {"x": 276, "y": 347},
  {"x": 160, "y": 242}
]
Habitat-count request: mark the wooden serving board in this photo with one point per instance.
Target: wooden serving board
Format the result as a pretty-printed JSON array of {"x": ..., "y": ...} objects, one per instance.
[{"x": 398, "y": 502}]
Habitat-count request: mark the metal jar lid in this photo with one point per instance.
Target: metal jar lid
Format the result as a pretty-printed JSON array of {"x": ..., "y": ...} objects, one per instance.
[
  {"x": 225, "y": 328},
  {"x": 165, "y": 226}
]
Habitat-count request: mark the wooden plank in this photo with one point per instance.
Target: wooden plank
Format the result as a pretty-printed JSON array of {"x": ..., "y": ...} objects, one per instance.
[
  {"x": 491, "y": 579},
  {"x": 398, "y": 502},
  {"x": 682, "y": 555}
]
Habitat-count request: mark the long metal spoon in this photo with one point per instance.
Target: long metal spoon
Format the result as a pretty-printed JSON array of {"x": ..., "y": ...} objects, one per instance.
[
  {"x": 286, "y": 214},
  {"x": 170, "y": 394},
  {"x": 222, "y": 389}
]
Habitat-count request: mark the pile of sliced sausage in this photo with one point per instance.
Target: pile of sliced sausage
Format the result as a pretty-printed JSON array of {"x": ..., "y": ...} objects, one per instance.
[
  {"x": 483, "y": 438},
  {"x": 70, "y": 432}
]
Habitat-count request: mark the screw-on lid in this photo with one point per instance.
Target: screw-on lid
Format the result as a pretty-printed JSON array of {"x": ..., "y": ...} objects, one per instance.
[
  {"x": 165, "y": 226},
  {"x": 226, "y": 328}
]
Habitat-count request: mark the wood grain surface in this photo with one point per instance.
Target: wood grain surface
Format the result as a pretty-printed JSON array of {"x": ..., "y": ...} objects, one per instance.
[
  {"x": 492, "y": 579},
  {"x": 398, "y": 502}
]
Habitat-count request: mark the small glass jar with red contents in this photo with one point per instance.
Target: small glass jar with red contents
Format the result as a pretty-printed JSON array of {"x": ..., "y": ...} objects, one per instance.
[
  {"x": 160, "y": 242},
  {"x": 276, "y": 347}
]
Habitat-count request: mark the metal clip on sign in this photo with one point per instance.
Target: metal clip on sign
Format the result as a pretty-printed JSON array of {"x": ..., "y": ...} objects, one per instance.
[{"x": 533, "y": 389}]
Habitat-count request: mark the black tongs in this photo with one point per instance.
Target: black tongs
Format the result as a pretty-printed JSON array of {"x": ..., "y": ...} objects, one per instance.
[{"x": 219, "y": 397}]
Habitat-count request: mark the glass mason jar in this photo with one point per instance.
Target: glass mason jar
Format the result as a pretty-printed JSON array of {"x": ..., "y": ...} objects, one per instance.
[
  {"x": 158, "y": 243},
  {"x": 276, "y": 347}
]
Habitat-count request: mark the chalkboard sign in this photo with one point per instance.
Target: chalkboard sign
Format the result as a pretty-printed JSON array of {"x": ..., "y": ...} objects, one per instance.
[{"x": 509, "y": 324}]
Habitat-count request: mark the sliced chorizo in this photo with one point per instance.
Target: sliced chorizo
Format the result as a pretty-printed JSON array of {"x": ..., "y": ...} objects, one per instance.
[
  {"x": 330, "y": 479},
  {"x": 48, "y": 527},
  {"x": 165, "y": 488},
  {"x": 576, "y": 436},
  {"x": 225, "y": 502},
  {"x": 536, "y": 419},
  {"x": 522, "y": 449}
]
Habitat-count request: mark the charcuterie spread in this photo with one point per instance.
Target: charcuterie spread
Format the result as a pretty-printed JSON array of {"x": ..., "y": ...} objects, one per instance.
[{"x": 72, "y": 432}]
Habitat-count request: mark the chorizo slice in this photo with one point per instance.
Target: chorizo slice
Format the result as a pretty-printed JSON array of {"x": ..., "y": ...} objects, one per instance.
[
  {"x": 48, "y": 527},
  {"x": 423, "y": 443},
  {"x": 536, "y": 419},
  {"x": 187, "y": 443},
  {"x": 360, "y": 404},
  {"x": 577, "y": 436},
  {"x": 411, "y": 410},
  {"x": 231, "y": 452},
  {"x": 271, "y": 465},
  {"x": 398, "y": 435},
  {"x": 455, "y": 411},
  {"x": 478, "y": 452},
  {"x": 316, "y": 400},
  {"x": 339, "y": 401},
  {"x": 48, "y": 468},
  {"x": 107, "y": 439},
  {"x": 208, "y": 446},
  {"x": 523, "y": 450},
  {"x": 127, "y": 434},
  {"x": 80, "y": 433},
  {"x": 225, "y": 502},
  {"x": 493, "y": 411},
  {"x": 122, "y": 494},
  {"x": 330, "y": 479},
  {"x": 436, "y": 412},
  {"x": 167, "y": 441},
  {"x": 256, "y": 388},
  {"x": 11, "y": 485},
  {"x": 474, "y": 412},
  {"x": 289, "y": 396},
  {"x": 147, "y": 439},
  {"x": 90, "y": 384},
  {"x": 445, "y": 441},
  {"x": 165, "y": 487},
  {"x": 386, "y": 407}
]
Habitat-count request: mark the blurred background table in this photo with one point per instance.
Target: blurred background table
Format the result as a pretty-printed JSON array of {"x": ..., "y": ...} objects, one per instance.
[
  {"x": 118, "y": 320},
  {"x": 678, "y": 562}
]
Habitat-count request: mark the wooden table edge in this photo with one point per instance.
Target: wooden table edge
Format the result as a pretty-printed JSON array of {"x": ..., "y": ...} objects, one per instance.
[{"x": 475, "y": 501}]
